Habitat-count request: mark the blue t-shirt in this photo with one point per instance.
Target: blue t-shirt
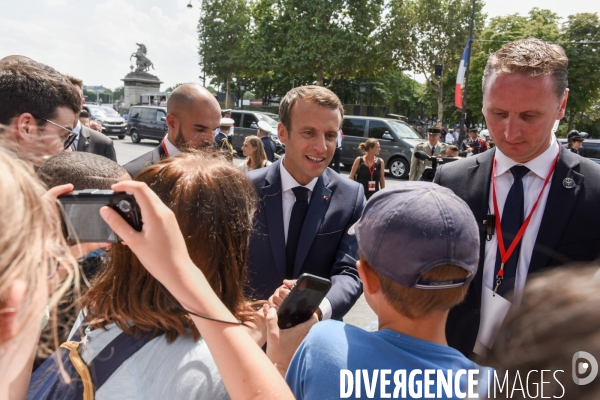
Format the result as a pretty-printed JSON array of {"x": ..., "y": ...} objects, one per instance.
[{"x": 335, "y": 355}]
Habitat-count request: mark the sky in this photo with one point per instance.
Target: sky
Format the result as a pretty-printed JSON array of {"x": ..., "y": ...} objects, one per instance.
[{"x": 93, "y": 40}]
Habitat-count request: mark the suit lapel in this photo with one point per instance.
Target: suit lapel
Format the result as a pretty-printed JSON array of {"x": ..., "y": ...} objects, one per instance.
[
  {"x": 319, "y": 203},
  {"x": 271, "y": 195},
  {"x": 559, "y": 206},
  {"x": 84, "y": 139},
  {"x": 477, "y": 194}
]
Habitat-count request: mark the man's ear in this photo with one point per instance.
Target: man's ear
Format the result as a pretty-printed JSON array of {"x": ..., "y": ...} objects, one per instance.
[
  {"x": 172, "y": 123},
  {"x": 10, "y": 308},
  {"x": 282, "y": 133},
  {"x": 563, "y": 105},
  {"x": 370, "y": 281},
  {"x": 25, "y": 127}
]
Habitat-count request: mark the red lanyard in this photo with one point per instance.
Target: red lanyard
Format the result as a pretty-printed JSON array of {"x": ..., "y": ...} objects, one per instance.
[
  {"x": 371, "y": 169},
  {"x": 504, "y": 253},
  {"x": 164, "y": 146}
]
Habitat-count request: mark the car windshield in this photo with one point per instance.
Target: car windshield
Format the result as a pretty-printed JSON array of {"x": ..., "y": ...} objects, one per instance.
[
  {"x": 273, "y": 116},
  {"x": 97, "y": 113},
  {"x": 268, "y": 119},
  {"x": 403, "y": 130},
  {"x": 110, "y": 112}
]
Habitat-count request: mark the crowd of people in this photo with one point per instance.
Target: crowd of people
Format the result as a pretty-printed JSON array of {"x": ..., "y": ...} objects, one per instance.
[{"x": 187, "y": 307}]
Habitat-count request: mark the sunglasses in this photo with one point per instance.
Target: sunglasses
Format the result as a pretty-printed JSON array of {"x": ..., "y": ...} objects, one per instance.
[{"x": 72, "y": 135}]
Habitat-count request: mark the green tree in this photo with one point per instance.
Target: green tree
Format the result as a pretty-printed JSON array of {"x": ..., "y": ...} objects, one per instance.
[
  {"x": 584, "y": 63},
  {"x": 222, "y": 30},
  {"x": 325, "y": 39},
  {"x": 423, "y": 33}
]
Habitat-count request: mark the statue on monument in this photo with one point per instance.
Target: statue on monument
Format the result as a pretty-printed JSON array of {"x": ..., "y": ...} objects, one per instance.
[{"x": 142, "y": 62}]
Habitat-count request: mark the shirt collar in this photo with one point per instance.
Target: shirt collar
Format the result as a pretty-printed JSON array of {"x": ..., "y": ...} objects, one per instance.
[
  {"x": 77, "y": 129},
  {"x": 171, "y": 149},
  {"x": 288, "y": 182},
  {"x": 540, "y": 165}
]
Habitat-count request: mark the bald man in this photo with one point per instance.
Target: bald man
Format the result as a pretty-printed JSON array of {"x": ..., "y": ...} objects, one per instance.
[{"x": 193, "y": 114}]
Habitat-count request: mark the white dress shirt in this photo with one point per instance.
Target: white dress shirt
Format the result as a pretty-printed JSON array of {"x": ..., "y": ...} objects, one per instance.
[
  {"x": 77, "y": 130},
  {"x": 450, "y": 138},
  {"x": 533, "y": 182},
  {"x": 171, "y": 149},
  {"x": 288, "y": 198}
]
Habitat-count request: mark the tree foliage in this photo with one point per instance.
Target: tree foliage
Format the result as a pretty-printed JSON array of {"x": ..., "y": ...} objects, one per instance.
[
  {"x": 222, "y": 31},
  {"x": 423, "y": 33}
]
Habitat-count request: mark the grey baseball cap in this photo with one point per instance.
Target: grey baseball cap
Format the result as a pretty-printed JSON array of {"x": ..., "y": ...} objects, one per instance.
[{"x": 413, "y": 227}]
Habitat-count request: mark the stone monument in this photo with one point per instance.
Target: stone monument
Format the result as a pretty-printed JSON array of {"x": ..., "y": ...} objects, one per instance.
[{"x": 139, "y": 81}]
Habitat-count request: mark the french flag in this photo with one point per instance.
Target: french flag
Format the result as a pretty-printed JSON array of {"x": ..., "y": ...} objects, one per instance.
[{"x": 460, "y": 78}]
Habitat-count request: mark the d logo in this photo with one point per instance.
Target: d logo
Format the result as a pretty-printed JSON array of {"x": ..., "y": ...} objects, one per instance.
[{"x": 582, "y": 367}]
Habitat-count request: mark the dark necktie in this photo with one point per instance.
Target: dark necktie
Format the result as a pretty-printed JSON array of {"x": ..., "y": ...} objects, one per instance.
[
  {"x": 432, "y": 150},
  {"x": 512, "y": 219},
  {"x": 295, "y": 227}
]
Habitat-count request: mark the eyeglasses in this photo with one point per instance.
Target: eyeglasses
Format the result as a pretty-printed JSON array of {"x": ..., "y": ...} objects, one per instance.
[{"x": 72, "y": 135}]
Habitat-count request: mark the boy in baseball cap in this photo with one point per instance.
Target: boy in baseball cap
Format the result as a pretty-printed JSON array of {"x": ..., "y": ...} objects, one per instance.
[{"x": 419, "y": 250}]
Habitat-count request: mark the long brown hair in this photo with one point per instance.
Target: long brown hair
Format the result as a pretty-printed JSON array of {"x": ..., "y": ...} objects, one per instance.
[
  {"x": 214, "y": 205},
  {"x": 259, "y": 155}
]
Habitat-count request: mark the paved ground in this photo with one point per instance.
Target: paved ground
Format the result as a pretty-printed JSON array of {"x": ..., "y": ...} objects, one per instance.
[{"x": 361, "y": 314}]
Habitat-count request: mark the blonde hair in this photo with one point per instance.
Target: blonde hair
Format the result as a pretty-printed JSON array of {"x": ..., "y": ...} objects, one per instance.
[
  {"x": 32, "y": 248},
  {"x": 531, "y": 57},
  {"x": 367, "y": 145},
  {"x": 417, "y": 303},
  {"x": 260, "y": 156}
]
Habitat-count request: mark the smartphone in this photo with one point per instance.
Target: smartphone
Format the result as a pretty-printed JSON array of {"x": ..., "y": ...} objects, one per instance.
[
  {"x": 302, "y": 301},
  {"x": 80, "y": 214}
]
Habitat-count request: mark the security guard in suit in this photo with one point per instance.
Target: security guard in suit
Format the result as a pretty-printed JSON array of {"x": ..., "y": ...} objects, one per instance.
[{"x": 431, "y": 147}]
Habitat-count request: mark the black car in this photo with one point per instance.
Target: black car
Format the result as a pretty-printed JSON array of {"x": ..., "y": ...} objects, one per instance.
[
  {"x": 591, "y": 148},
  {"x": 147, "y": 122},
  {"x": 112, "y": 123}
]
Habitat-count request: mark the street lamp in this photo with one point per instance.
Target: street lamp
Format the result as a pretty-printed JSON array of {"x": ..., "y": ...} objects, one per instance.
[
  {"x": 189, "y": 4},
  {"x": 362, "y": 87},
  {"x": 243, "y": 89}
]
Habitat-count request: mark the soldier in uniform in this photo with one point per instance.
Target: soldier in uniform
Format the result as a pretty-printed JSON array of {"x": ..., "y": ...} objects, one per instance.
[
  {"x": 431, "y": 147},
  {"x": 473, "y": 144}
]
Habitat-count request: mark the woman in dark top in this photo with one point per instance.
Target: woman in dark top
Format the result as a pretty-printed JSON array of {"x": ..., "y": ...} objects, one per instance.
[{"x": 369, "y": 169}]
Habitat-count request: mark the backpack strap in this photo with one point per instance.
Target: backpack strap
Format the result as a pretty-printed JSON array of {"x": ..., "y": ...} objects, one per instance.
[
  {"x": 81, "y": 368},
  {"x": 113, "y": 355}
]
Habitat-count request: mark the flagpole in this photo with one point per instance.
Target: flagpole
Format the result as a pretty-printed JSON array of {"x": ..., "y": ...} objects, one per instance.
[{"x": 463, "y": 114}]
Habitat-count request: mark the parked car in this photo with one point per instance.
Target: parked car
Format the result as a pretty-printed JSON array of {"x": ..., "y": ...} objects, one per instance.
[
  {"x": 591, "y": 148},
  {"x": 396, "y": 137},
  {"x": 246, "y": 125},
  {"x": 147, "y": 122},
  {"x": 112, "y": 123}
]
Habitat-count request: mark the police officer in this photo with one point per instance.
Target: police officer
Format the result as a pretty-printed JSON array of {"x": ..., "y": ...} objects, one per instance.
[
  {"x": 473, "y": 144},
  {"x": 264, "y": 131},
  {"x": 224, "y": 132},
  {"x": 576, "y": 142}
]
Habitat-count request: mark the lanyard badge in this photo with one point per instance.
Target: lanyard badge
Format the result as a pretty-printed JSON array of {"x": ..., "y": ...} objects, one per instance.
[{"x": 506, "y": 253}]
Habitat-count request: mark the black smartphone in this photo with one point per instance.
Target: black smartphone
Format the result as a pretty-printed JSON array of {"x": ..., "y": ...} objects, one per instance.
[
  {"x": 81, "y": 220},
  {"x": 302, "y": 301}
]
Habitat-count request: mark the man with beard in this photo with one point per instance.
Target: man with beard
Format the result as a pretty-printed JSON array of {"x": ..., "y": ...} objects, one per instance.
[{"x": 193, "y": 114}]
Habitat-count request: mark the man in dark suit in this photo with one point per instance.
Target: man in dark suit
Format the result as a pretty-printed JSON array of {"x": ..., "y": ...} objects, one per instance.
[
  {"x": 306, "y": 209},
  {"x": 524, "y": 94},
  {"x": 87, "y": 139},
  {"x": 193, "y": 115}
]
